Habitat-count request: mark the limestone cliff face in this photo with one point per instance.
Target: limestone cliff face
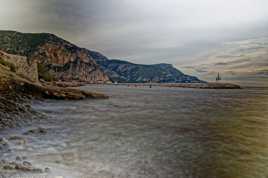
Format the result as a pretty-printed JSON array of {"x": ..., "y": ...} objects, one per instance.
[
  {"x": 67, "y": 63},
  {"x": 57, "y": 59},
  {"x": 22, "y": 67}
]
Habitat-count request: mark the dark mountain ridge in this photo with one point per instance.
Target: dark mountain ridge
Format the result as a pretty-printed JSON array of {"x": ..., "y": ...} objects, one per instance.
[{"x": 123, "y": 71}]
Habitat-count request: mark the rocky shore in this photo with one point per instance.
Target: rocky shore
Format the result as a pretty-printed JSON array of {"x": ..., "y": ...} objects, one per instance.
[
  {"x": 18, "y": 163},
  {"x": 17, "y": 92}
]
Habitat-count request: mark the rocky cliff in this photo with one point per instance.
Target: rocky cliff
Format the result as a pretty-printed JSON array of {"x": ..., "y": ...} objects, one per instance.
[{"x": 57, "y": 59}]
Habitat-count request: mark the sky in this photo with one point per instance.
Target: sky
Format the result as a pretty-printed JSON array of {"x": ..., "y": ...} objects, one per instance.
[{"x": 141, "y": 31}]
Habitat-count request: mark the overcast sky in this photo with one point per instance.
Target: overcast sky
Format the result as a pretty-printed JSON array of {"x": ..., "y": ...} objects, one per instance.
[{"x": 142, "y": 31}]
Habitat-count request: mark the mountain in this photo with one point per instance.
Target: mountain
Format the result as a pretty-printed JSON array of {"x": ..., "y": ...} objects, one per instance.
[
  {"x": 61, "y": 60},
  {"x": 57, "y": 59},
  {"x": 123, "y": 71}
]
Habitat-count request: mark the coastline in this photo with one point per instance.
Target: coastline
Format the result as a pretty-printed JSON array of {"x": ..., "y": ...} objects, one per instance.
[
  {"x": 16, "y": 94},
  {"x": 207, "y": 85}
]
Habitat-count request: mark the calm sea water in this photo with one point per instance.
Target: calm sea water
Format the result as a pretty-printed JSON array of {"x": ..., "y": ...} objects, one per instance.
[{"x": 152, "y": 133}]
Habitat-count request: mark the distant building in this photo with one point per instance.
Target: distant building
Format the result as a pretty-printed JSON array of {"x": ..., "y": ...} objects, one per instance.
[{"x": 218, "y": 78}]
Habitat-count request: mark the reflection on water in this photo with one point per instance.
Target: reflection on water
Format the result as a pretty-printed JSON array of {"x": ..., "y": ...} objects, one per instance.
[{"x": 153, "y": 133}]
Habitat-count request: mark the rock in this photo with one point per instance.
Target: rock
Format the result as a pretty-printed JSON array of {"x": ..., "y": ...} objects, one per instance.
[
  {"x": 47, "y": 170},
  {"x": 52, "y": 92},
  {"x": 39, "y": 130},
  {"x": 24, "y": 157},
  {"x": 9, "y": 166},
  {"x": 26, "y": 163},
  {"x": 3, "y": 142},
  {"x": 17, "y": 140},
  {"x": 18, "y": 158},
  {"x": 18, "y": 166}
]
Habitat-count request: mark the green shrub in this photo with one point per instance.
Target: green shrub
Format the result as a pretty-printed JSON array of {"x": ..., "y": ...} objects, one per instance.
[
  {"x": 11, "y": 66},
  {"x": 44, "y": 73}
]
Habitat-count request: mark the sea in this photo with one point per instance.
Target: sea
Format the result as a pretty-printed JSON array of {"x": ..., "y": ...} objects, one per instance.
[{"x": 142, "y": 132}]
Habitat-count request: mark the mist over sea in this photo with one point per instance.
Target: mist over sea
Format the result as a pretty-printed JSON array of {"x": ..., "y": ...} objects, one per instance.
[{"x": 150, "y": 133}]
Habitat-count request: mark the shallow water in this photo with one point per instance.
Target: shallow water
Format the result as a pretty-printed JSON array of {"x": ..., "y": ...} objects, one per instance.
[{"x": 151, "y": 133}]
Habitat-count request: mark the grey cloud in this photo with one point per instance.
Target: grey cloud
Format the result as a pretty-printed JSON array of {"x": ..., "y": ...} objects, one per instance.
[{"x": 143, "y": 31}]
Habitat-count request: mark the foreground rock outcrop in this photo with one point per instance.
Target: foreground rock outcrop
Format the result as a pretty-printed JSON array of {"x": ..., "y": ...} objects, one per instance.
[
  {"x": 12, "y": 83},
  {"x": 40, "y": 56},
  {"x": 16, "y": 93}
]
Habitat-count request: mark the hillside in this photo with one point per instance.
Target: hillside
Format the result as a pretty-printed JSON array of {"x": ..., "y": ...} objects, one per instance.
[
  {"x": 63, "y": 61},
  {"x": 122, "y": 71}
]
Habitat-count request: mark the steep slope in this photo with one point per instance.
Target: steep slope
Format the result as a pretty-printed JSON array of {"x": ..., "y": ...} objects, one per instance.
[{"x": 57, "y": 58}]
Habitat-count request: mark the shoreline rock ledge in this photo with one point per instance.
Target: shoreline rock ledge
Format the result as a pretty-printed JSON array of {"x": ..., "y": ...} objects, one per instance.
[
  {"x": 11, "y": 83},
  {"x": 16, "y": 93}
]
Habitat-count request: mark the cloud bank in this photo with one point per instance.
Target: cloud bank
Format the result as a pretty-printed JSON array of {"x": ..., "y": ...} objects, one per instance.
[{"x": 142, "y": 31}]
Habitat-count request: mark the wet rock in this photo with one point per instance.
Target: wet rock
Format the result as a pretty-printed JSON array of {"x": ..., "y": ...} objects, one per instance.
[
  {"x": 3, "y": 142},
  {"x": 18, "y": 140},
  {"x": 39, "y": 130},
  {"x": 9, "y": 166},
  {"x": 24, "y": 157},
  {"x": 4, "y": 145},
  {"x": 47, "y": 170},
  {"x": 20, "y": 166},
  {"x": 26, "y": 163},
  {"x": 18, "y": 158},
  {"x": 2, "y": 162}
]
